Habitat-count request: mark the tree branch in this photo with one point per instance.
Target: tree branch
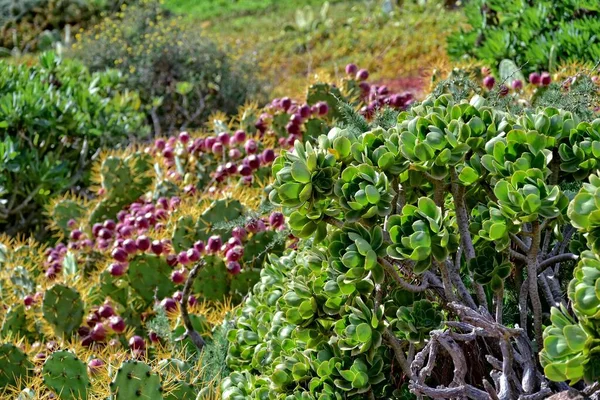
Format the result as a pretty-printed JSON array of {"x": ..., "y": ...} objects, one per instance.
[
  {"x": 398, "y": 352},
  {"x": 557, "y": 259},
  {"x": 190, "y": 332}
]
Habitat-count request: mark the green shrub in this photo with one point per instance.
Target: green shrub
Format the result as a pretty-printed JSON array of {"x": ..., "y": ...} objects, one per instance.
[
  {"x": 30, "y": 25},
  {"x": 181, "y": 76},
  {"x": 537, "y": 35},
  {"x": 418, "y": 292},
  {"x": 54, "y": 119}
]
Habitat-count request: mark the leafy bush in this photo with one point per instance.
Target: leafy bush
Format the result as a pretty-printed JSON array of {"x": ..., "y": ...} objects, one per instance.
[
  {"x": 181, "y": 76},
  {"x": 30, "y": 25},
  {"x": 418, "y": 294},
  {"x": 55, "y": 118},
  {"x": 536, "y": 35}
]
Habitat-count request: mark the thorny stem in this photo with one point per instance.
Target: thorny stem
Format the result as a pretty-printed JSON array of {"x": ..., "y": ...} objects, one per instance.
[
  {"x": 398, "y": 352},
  {"x": 190, "y": 332},
  {"x": 532, "y": 268},
  {"x": 499, "y": 294}
]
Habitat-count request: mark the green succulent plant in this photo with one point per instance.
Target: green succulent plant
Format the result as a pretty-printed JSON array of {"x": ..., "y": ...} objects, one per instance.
[
  {"x": 490, "y": 268},
  {"x": 420, "y": 234},
  {"x": 364, "y": 193},
  {"x": 415, "y": 322}
]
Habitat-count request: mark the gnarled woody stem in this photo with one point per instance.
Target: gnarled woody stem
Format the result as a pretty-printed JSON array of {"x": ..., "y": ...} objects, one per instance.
[{"x": 190, "y": 332}]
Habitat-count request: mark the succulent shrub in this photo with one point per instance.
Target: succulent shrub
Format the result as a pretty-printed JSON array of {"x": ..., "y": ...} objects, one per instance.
[
  {"x": 56, "y": 117},
  {"x": 535, "y": 35},
  {"x": 181, "y": 75},
  {"x": 478, "y": 208}
]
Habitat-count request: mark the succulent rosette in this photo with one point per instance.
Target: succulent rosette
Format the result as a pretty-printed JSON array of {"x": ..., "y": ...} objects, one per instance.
[{"x": 415, "y": 322}]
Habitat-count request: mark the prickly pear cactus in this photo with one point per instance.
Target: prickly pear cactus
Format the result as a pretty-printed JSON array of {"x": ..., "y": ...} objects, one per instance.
[
  {"x": 327, "y": 93},
  {"x": 116, "y": 289},
  {"x": 123, "y": 181},
  {"x": 64, "y": 210},
  {"x": 14, "y": 365},
  {"x": 213, "y": 221},
  {"x": 66, "y": 375},
  {"x": 181, "y": 390},
  {"x": 212, "y": 281},
  {"x": 148, "y": 273},
  {"x": 17, "y": 324},
  {"x": 63, "y": 309},
  {"x": 177, "y": 373},
  {"x": 135, "y": 380}
]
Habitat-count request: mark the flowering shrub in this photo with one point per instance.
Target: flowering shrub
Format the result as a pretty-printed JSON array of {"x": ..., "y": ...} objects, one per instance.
[
  {"x": 55, "y": 117},
  {"x": 181, "y": 76},
  {"x": 420, "y": 241}
]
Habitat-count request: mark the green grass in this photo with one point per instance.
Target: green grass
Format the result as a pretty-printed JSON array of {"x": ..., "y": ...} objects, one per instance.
[{"x": 210, "y": 9}]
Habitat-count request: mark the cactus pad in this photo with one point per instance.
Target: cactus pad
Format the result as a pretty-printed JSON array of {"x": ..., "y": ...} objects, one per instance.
[
  {"x": 181, "y": 391},
  {"x": 327, "y": 93},
  {"x": 148, "y": 273},
  {"x": 259, "y": 245},
  {"x": 66, "y": 375},
  {"x": 14, "y": 365},
  {"x": 212, "y": 281},
  {"x": 21, "y": 281},
  {"x": 63, "y": 211},
  {"x": 63, "y": 309},
  {"x": 243, "y": 282},
  {"x": 110, "y": 287},
  {"x": 16, "y": 323},
  {"x": 135, "y": 380}
]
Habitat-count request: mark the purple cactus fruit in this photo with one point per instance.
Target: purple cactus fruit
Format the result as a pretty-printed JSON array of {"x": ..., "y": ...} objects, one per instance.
[
  {"x": 154, "y": 338},
  {"x": 143, "y": 243},
  {"x": 239, "y": 232},
  {"x": 255, "y": 225},
  {"x": 168, "y": 304},
  {"x": 224, "y": 138},
  {"x": 268, "y": 155},
  {"x": 117, "y": 324},
  {"x": 177, "y": 296},
  {"x": 503, "y": 90},
  {"x": 192, "y": 301},
  {"x": 323, "y": 108},
  {"x": 362, "y": 75},
  {"x": 245, "y": 170},
  {"x": 98, "y": 333},
  {"x": 489, "y": 82},
  {"x": 178, "y": 276},
  {"x": 51, "y": 273},
  {"x": 285, "y": 103},
  {"x": 251, "y": 146},
  {"x": 174, "y": 202},
  {"x": 293, "y": 128},
  {"x": 200, "y": 247},
  {"x": 231, "y": 167},
  {"x": 110, "y": 224},
  {"x": 76, "y": 234},
  {"x": 163, "y": 203},
  {"x": 157, "y": 247},
  {"x": 71, "y": 223},
  {"x": 276, "y": 219},
  {"x": 28, "y": 301},
  {"x": 351, "y": 69},
  {"x": 119, "y": 254},
  {"x": 545, "y": 79},
  {"x": 239, "y": 136},
  {"x": 234, "y": 267},
  {"x": 87, "y": 341},
  {"x": 116, "y": 269},
  {"x": 94, "y": 366},
  {"x": 209, "y": 142},
  {"x": 193, "y": 255},
  {"x": 160, "y": 144},
  {"x": 217, "y": 148},
  {"x": 105, "y": 234},
  {"x": 172, "y": 260},
  {"x": 214, "y": 244},
  {"x": 517, "y": 84},
  {"x": 129, "y": 246},
  {"x": 183, "y": 258},
  {"x": 184, "y": 137},
  {"x": 234, "y": 154},
  {"x": 106, "y": 310},
  {"x": 235, "y": 253},
  {"x": 137, "y": 343},
  {"x": 253, "y": 161},
  {"x": 304, "y": 111},
  {"x": 96, "y": 229},
  {"x": 535, "y": 78},
  {"x": 39, "y": 358}
]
